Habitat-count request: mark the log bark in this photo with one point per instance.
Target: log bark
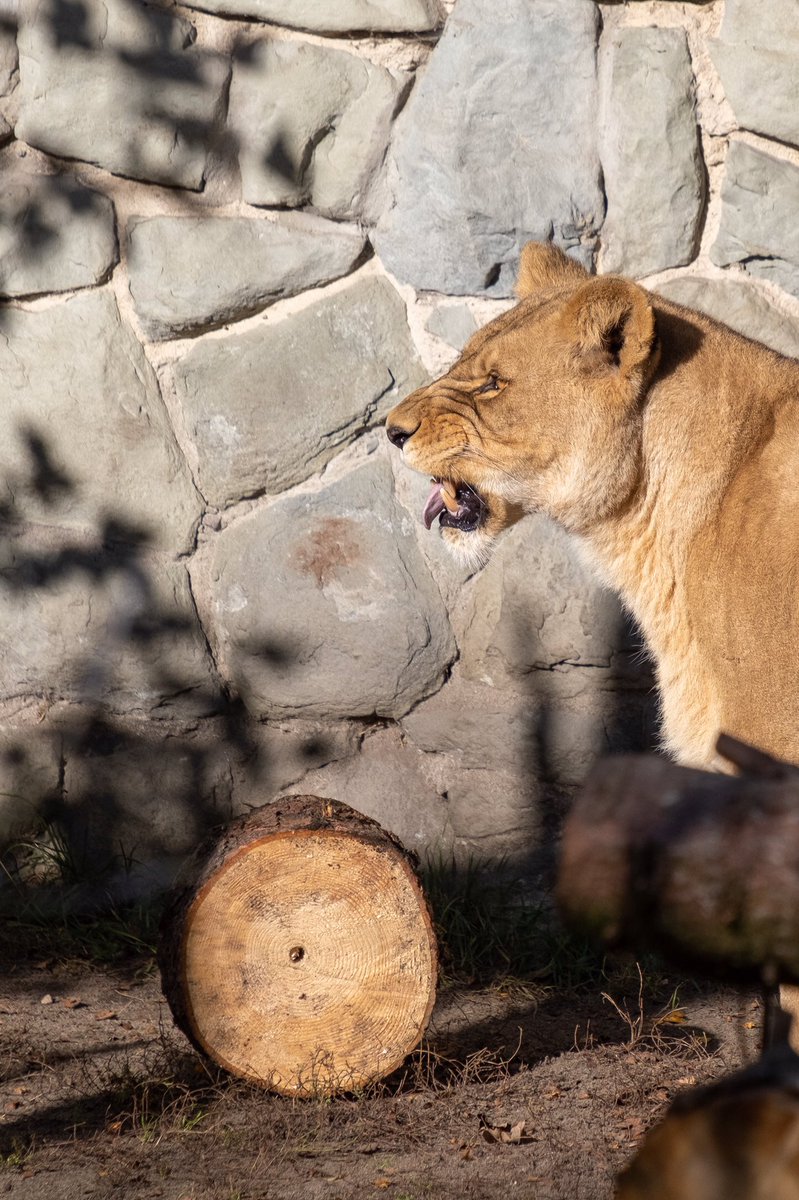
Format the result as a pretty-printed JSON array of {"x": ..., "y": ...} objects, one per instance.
[
  {"x": 699, "y": 866},
  {"x": 297, "y": 949}
]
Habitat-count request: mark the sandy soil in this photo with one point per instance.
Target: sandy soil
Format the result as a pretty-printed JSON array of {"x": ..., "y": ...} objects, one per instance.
[{"x": 101, "y": 1096}]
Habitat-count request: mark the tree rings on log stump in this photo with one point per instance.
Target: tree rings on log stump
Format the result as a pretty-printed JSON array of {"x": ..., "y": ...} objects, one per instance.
[{"x": 297, "y": 951}]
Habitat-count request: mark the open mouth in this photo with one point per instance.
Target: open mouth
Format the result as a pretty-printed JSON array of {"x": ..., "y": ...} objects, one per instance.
[{"x": 457, "y": 506}]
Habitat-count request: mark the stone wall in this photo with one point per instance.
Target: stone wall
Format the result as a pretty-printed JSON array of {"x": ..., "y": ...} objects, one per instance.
[{"x": 232, "y": 234}]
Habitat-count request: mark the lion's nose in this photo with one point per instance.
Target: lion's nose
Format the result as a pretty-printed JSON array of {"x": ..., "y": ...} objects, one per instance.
[{"x": 398, "y": 437}]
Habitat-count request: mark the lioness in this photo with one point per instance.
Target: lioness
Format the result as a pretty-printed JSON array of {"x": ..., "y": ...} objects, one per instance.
[{"x": 669, "y": 446}]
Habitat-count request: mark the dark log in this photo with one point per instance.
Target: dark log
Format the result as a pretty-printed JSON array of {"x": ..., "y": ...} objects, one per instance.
[
  {"x": 736, "y": 1140},
  {"x": 701, "y": 867},
  {"x": 751, "y": 761},
  {"x": 297, "y": 950}
]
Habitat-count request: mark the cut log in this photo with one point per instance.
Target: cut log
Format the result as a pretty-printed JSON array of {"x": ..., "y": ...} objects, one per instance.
[
  {"x": 701, "y": 867},
  {"x": 737, "y": 1140},
  {"x": 297, "y": 951}
]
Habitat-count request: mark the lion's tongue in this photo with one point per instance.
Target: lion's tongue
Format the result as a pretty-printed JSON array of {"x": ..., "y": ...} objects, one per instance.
[{"x": 434, "y": 505}]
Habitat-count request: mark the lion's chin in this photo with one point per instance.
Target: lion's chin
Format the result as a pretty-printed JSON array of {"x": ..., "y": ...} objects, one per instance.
[
  {"x": 472, "y": 550},
  {"x": 472, "y": 535}
]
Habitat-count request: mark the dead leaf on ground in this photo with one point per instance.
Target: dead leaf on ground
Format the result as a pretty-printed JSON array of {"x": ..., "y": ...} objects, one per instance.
[
  {"x": 505, "y": 1133},
  {"x": 72, "y": 1002},
  {"x": 105, "y": 1014},
  {"x": 675, "y": 1017},
  {"x": 636, "y": 1128},
  {"x": 383, "y": 1183}
]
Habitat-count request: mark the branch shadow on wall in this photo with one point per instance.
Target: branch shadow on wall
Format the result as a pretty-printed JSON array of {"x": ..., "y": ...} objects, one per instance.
[
  {"x": 613, "y": 709},
  {"x": 172, "y": 125},
  {"x": 131, "y": 747},
  {"x": 174, "y": 119}
]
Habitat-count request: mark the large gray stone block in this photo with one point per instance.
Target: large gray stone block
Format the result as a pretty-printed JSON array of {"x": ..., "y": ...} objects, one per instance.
[
  {"x": 453, "y": 323},
  {"x": 121, "y": 84},
  {"x": 187, "y": 272},
  {"x": 447, "y": 813},
  {"x": 321, "y": 605},
  {"x": 268, "y": 407},
  {"x": 285, "y": 751},
  {"x": 55, "y": 234},
  {"x": 30, "y": 771},
  {"x": 9, "y": 60},
  {"x": 135, "y": 797},
  {"x": 543, "y": 733},
  {"x": 84, "y": 436},
  {"x": 312, "y": 125},
  {"x": 738, "y": 304},
  {"x": 335, "y": 16},
  {"x": 759, "y": 229},
  {"x": 387, "y": 781},
  {"x": 757, "y": 57},
  {"x": 536, "y": 608},
  {"x": 496, "y": 816},
  {"x": 84, "y": 622},
  {"x": 125, "y": 788},
  {"x": 9, "y": 78},
  {"x": 479, "y": 726},
  {"x": 654, "y": 180},
  {"x": 497, "y": 145}
]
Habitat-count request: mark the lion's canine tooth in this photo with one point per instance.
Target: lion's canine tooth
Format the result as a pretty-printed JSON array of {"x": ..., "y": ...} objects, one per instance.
[{"x": 449, "y": 497}]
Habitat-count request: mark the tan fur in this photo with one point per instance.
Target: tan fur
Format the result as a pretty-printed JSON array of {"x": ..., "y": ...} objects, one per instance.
[
  {"x": 670, "y": 446},
  {"x": 742, "y": 1146}
]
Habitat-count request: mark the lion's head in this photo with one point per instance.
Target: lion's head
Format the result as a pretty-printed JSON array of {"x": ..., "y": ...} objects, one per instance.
[{"x": 541, "y": 411}]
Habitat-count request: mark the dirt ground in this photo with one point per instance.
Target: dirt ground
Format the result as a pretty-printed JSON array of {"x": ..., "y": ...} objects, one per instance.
[{"x": 101, "y": 1096}]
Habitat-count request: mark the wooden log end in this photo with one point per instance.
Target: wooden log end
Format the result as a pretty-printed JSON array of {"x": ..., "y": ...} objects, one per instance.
[{"x": 299, "y": 952}]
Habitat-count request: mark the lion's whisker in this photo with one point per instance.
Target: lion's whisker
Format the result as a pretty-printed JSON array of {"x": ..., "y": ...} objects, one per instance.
[{"x": 474, "y": 452}]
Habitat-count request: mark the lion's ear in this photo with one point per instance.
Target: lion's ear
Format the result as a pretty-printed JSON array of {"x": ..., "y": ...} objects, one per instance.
[
  {"x": 611, "y": 324},
  {"x": 543, "y": 265}
]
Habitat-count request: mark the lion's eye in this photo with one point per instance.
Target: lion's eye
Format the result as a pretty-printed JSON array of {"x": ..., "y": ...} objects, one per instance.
[{"x": 492, "y": 384}]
